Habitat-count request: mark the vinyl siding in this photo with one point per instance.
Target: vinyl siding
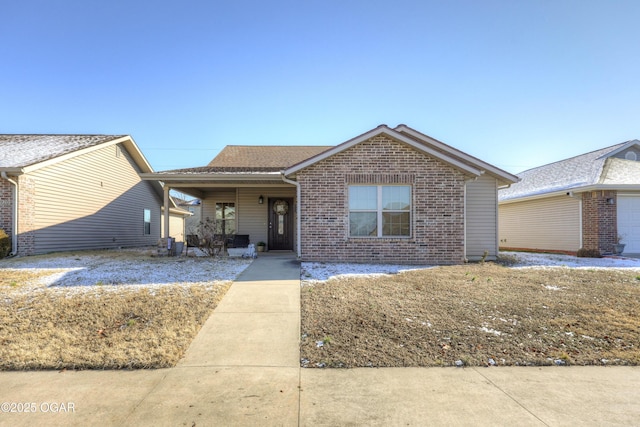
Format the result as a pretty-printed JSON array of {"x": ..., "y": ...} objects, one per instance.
[
  {"x": 95, "y": 200},
  {"x": 481, "y": 218},
  {"x": 251, "y": 217},
  {"x": 176, "y": 226},
  {"x": 254, "y": 219},
  {"x": 543, "y": 224}
]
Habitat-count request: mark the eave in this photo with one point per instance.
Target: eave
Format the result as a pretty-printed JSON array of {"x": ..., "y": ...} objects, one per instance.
[{"x": 571, "y": 190}]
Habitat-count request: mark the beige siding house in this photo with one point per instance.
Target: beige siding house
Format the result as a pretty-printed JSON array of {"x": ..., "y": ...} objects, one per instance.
[
  {"x": 70, "y": 192},
  {"x": 388, "y": 195},
  {"x": 589, "y": 201}
]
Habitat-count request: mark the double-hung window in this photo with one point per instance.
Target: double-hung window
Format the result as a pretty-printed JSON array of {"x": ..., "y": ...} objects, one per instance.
[{"x": 380, "y": 210}]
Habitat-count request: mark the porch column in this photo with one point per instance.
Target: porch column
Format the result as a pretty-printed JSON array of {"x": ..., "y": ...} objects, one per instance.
[{"x": 166, "y": 211}]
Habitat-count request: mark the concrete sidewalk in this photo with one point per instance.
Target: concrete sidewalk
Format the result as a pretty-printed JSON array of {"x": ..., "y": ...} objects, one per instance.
[{"x": 243, "y": 370}]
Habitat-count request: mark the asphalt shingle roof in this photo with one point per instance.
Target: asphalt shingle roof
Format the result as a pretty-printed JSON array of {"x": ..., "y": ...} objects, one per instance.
[
  {"x": 583, "y": 170},
  {"x": 18, "y": 151},
  {"x": 264, "y": 158}
]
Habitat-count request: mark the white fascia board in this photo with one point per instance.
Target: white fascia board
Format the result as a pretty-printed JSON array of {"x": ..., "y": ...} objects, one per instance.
[
  {"x": 213, "y": 177},
  {"x": 576, "y": 190},
  {"x": 619, "y": 149},
  {"x": 393, "y": 134}
]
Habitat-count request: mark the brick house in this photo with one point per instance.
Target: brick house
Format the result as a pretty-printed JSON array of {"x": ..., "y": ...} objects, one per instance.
[
  {"x": 586, "y": 201},
  {"x": 388, "y": 195},
  {"x": 69, "y": 192}
]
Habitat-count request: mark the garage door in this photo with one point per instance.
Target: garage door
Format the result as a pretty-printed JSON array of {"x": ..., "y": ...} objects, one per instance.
[{"x": 629, "y": 222}]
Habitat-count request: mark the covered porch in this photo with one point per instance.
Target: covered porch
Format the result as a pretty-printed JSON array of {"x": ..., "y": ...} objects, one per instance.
[{"x": 263, "y": 206}]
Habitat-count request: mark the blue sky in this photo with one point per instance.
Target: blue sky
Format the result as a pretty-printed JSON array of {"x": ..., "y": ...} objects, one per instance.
[{"x": 516, "y": 83}]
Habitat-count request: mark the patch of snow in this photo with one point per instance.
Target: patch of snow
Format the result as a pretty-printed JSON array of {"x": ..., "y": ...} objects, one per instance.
[
  {"x": 85, "y": 272},
  {"x": 490, "y": 331},
  {"x": 321, "y": 271},
  {"x": 539, "y": 260}
]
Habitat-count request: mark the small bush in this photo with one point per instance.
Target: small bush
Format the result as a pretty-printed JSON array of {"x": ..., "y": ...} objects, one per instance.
[
  {"x": 5, "y": 244},
  {"x": 589, "y": 253}
]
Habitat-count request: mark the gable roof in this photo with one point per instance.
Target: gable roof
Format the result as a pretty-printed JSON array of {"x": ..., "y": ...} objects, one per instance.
[
  {"x": 404, "y": 134},
  {"x": 580, "y": 172},
  {"x": 22, "y": 153}
]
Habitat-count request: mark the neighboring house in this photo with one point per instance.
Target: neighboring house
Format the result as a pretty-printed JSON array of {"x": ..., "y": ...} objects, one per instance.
[
  {"x": 69, "y": 192},
  {"x": 179, "y": 218},
  {"x": 586, "y": 201},
  {"x": 192, "y": 222},
  {"x": 388, "y": 195}
]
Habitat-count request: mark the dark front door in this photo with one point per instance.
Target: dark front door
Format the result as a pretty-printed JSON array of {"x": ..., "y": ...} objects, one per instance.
[{"x": 281, "y": 224}]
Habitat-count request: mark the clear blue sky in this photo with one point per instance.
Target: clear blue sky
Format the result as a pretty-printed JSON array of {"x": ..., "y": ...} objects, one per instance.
[{"x": 515, "y": 83}]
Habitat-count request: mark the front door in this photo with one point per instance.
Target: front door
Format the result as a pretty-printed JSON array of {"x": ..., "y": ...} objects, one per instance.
[{"x": 281, "y": 224}]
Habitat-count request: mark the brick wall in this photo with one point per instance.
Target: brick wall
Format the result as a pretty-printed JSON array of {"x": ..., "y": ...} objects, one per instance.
[
  {"x": 599, "y": 221},
  {"x": 437, "y": 218},
  {"x": 6, "y": 206}
]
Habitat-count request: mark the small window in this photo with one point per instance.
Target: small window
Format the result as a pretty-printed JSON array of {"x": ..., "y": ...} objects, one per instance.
[
  {"x": 631, "y": 155},
  {"x": 380, "y": 211},
  {"x": 147, "y": 221}
]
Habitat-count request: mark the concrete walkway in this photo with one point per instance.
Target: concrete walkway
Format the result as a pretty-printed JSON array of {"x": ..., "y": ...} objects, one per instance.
[{"x": 243, "y": 370}]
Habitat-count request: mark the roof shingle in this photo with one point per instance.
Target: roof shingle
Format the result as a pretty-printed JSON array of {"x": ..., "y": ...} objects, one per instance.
[
  {"x": 17, "y": 151},
  {"x": 575, "y": 172},
  {"x": 264, "y": 158}
]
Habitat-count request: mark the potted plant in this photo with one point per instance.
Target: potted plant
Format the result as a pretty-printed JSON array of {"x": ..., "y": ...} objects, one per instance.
[
  {"x": 619, "y": 247},
  {"x": 261, "y": 246}
]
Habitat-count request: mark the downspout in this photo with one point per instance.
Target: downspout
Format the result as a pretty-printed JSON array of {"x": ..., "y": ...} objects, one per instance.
[
  {"x": 166, "y": 213},
  {"x": 298, "y": 221},
  {"x": 14, "y": 219}
]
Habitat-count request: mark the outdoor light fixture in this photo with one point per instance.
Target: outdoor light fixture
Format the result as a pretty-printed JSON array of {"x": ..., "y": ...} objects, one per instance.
[
  {"x": 260, "y": 199},
  {"x": 610, "y": 201}
]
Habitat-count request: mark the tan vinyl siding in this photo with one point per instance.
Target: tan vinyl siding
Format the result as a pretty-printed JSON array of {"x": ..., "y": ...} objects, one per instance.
[
  {"x": 94, "y": 200},
  {"x": 481, "y": 218},
  {"x": 253, "y": 217},
  {"x": 176, "y": 226},
  {"x": 542, "y": 224}
]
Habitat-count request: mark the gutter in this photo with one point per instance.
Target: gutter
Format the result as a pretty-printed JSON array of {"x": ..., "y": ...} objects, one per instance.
[
  {"x": 298, "y": 221},
  {"x": 14, "y": 219}
]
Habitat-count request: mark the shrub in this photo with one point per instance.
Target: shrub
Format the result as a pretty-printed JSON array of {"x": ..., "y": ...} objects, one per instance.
[
  {"x": 5, "y": 244},
  {"x": 589, "y": 253}
]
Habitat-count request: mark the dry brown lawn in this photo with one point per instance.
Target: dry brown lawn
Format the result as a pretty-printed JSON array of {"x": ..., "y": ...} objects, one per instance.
[
  {"x": 103, "y": 330},
  {"x": 475, "y": 315}
]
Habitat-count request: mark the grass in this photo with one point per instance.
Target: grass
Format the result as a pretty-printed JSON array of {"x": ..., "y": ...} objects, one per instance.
[
  {"x": 103, "y": 324},
  {"x": 103, "y": 329},
  {"x": 474, "y": 313}
]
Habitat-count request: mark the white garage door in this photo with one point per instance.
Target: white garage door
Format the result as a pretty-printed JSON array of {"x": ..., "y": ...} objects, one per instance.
[{"x": 629, "y": 222}]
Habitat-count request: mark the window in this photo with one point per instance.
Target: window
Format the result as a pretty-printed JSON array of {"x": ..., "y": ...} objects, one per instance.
[
  {"x": 380, "y": 211},
  {"x": 225, "y": 218},
  {"x": 147, "y": 222}
]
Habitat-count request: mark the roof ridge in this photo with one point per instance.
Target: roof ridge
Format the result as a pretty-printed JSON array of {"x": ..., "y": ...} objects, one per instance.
[{"x": 610, "y": 148}]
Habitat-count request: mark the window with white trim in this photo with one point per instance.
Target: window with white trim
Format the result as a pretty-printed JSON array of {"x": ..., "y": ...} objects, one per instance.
[
  {"x": 147, "y": 222},
  {"x": 380, "y": 210}
]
